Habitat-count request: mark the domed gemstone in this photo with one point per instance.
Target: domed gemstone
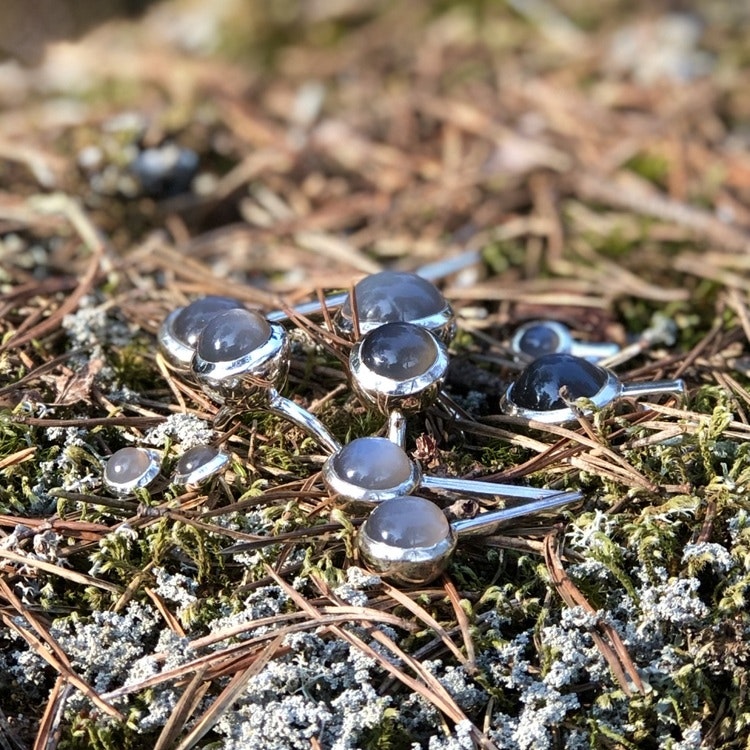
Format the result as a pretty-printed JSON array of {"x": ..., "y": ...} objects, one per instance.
[
  {"x": 394, "y": 296},
  {"x": 199, "y": 463},
  {"x": 195, "y": 458},
  {"x": 373, "y": 463},
  {"x": 538, "y": 386},
  {"x": 194, "y": 317},
  {"x": 407, "y": 522},
  {"x": 233, "y": 334},
  {"x": 399, "y": 351},
  {"x": 128, "y": 465},
  {"x": 539, "y": 339}
]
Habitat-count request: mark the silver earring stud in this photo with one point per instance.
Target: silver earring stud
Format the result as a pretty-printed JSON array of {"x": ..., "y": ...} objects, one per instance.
[
  {"x": 241, "y": 359},
  {"x": 131, "y": 468},
  {"x": 398, "y": 368},
  {"x": 375, "y": 469},
  {"x": 539, "y": 337},
  {"x": 395, "y": 296},
  {"x": 178, "y": 335},
  {"x": 542, "y": 392},
  {"x": 410, "y": 541},
  {"x": 199, "y": 464}
]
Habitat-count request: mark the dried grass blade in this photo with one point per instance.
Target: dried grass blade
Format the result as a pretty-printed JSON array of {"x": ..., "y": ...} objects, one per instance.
[
  {"x": 426, "y": 618},
  {"x": 47, "y": 736},
  {"x": 71, "y": 575},
  {"x": 230, "y": 694},
  {"x": 40, "y": 648},
  {"x": 615, "y": 652},
  {"x": 188, "y": 702},
  {"x": 463, "y": 623}
]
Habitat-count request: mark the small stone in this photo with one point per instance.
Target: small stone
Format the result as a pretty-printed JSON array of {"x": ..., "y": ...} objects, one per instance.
[
  {"x": 538, "y": 340},
  {"x": 538, "y": 386},
  {"x": 128, "y": 466},
  {"x": 194, "y": 317},
  {"x": 399, "y": 351},
  {"x": 373, "y": 463},
  {"x": 394, "y": 296},
  {"x": 165, "y": 171},
  {"x": 407, "y": 522},
  {"x": 232, "y": 335}
]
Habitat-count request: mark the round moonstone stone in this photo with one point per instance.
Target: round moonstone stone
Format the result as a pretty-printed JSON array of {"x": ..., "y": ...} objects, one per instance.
[
  {"x": 195, "y": 458},
  {"x": 232, "y": 335},
  {"x": 127, "y": 465},
  {"x": 194, "y": 317},
  {"x": 538, "y": 386},
  {"x": 393, "y": 296},
  {"x": 407, "y": 522},
  {"x": 399, "y": 351},
  {"x": 539, "y": 339},
  {"x": 373, "y": 463}
]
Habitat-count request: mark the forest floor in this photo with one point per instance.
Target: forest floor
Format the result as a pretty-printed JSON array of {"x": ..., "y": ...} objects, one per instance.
[{"x": 596, "y": 156}]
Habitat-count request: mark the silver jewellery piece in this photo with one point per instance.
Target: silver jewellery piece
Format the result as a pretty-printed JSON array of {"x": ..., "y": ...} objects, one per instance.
[
  {"x": 375, "y": 469},
  {"x": 544, "y": 390},
  {"x": 429, "y": 272},
  {"x": 539, "y": 337},
  {"x": 198, "y": 464},
  {"x": 409, "y": 540},
  {"x": 178, "y": 335},
  {"x": 398, "y": 368},
  {"x": 131, "y": 468},
  {"x": 396, "y": 296},
  {"x": 241, "y": 359}
]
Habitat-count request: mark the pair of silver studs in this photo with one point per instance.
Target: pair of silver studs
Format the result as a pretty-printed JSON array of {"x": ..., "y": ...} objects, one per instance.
[
  {"x": 410, "y": 541},
  {"x": 133, "y": 468},
  {"x": 545, "y": 390},
  {"x": 539, "y": 337},
  {"x": 375, "y": 469}
]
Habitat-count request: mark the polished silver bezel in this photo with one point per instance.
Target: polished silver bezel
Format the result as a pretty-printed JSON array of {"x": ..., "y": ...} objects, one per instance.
[
  {"x": 561, "y": 331},
  {"x": 200, "y": 474},
  {"x": 177, "y": 354},
  {"x": 611, "y": 390},
  {"x": 337, "y": 485},
  {"x": 241, "y": 379},
  {"x": 441, "y": 324},
  {"x": 143, "y": 480},
  {"x": 411, "y": 394},
  {"x": 415, "y": 565}
]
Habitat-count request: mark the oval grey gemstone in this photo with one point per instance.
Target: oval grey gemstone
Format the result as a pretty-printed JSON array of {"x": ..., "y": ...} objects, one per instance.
[
  {"x": 399, "y": 351},
  {"x": 194, "y": 317},
  {"x": 373, "y": 463},
  {"x": 407, "y": 522},
  {"x": 232, "y": 335}
]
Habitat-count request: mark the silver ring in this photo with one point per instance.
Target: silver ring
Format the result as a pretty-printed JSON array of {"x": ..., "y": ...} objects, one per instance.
[
  {"x": 539, "y": 337},
  {"x": 409, "y": 540},
  {"x": 240, "y": 360},
  {"x": 375, "y": 469},
  {"x": 178, "y": 334},
  {"x": 396, "y": 296},
  {"x": 536, "y": 393},
  {"x": 398, "y": 366}
]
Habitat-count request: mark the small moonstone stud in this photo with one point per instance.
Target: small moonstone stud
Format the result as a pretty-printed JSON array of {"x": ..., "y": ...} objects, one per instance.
[
  {"x": 543, "y": 390},
  {"x": 409, "y": 540},
  {"x": 376, "y": 469},
  {"x": 398, "y": 368},
  {"x": 241, "y": 359},
  {"x": 539, "y": 337},
  {"x": 131, "y": 468},
  {"x": 396, "y": 296},
  {"x": 199, "y": 464},
  {"x": 178, "y": 335}
]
